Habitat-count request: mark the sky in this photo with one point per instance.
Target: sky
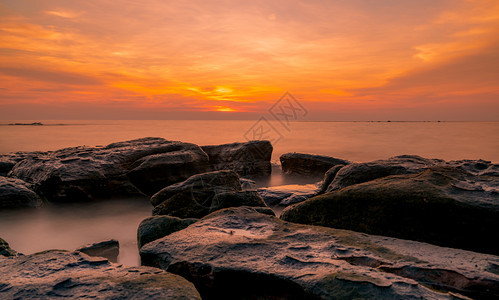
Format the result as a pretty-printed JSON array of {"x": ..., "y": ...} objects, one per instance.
[{"x": 341, "y": 59}]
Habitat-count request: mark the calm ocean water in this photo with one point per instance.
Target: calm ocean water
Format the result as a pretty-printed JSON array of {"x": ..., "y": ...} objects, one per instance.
[
  {"x": 357, "y": 141},
  {"x": 70, "y": 226}
]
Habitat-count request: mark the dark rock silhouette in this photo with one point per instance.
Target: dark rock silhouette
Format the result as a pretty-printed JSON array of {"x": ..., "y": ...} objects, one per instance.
[{"x": 238, "y": 252}]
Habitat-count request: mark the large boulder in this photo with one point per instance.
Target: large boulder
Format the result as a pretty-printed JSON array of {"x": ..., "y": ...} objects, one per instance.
[
  {"x": 361, "y": 172},
  {"x": 15, "y": 193},
  {"x": 156, "y": 227},
  {"x": 308, "y": 164},
  {"x": 250, "y": 159},
  {"x": 60, "y": 274},
  {"x": 126, "y": 168},
  {"x": 443, "y": 205},
  {"x": 5, "y": 249},
  {"x": 239, "y": 253},
  {"x": 193, "y": 197}
]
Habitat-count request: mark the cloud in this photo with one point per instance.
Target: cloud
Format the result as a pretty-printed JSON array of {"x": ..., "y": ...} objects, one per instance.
[{"x": 50, "y": 76}]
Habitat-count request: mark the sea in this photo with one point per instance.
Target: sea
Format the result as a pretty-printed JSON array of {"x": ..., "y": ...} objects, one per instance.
[{"x": 73, "y": 225}]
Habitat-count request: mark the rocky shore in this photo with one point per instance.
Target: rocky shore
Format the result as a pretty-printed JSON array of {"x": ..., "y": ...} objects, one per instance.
[{"x": 405, "y": 227}]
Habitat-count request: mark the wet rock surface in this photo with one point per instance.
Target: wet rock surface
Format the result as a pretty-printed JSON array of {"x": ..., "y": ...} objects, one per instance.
[
  {"x": 109, "y": 249},
  {"x": 238, "y": 252},
  {"x": 60, "y": 274},
  {"x": 444, "y": 205},
  {"x": 308, "y": 164},
  {"x": 16, "y": 193},
  {"x": 250, "y": 159}
]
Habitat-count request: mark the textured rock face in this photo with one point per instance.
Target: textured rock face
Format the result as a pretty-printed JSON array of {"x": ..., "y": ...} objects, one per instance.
[
  {"x": 251, "y": 159},
  {"x": 15, "y": 193},
  {"x": 443, "y": 205},
  {"x": 59, "y": 274},
  {"x": 5, "y": 249},
  {"x": 234, "y": 199},
  {"x": 109, "y": 249},
  {"x": 308, "y": 164},
  {"x": 286, "y": 195},
  {"x": 238, "y": 252},
  {"x": 156, "y": 227},
  {"x": 362, "y": 172},
  {"x": 193, "y": 197},
  {"x": 125, "y": 168}
]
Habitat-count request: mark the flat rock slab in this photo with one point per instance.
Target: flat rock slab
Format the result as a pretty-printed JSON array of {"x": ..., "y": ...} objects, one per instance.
[
  {"x": 59, "y": 274},
  {"x": 237, "y": 252}
]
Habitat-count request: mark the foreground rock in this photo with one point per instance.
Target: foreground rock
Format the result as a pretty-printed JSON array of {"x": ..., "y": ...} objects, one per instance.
[
  {"x": 308, "y": 164},
  {"x": 238, "y": 252},
  {"x": 286, "y": 195},
  {"x": 250, "y": 159},
  {"x": 5, "y": 249},
  {"x": 109, "y": 249},
  {"x": 60, "y": 274},
  {"x": 442, "y": 205},
  {"x": 126, "y": 168},
  {"x": 15, "y": 193}
]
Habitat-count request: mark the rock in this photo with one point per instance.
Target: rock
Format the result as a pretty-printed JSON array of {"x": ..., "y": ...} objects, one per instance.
[
  {"x": 15, "y": 193},
  {"x": 60, "y": 274},
  {"x": 5, "y": 249},
  {"x": 8, "y": 161},
  {"x": 247, "y": 184},
  {"x": 308, "y": 164},
  {"x": 361, "y": 172},
  {"x": 234, "y": 199},
  {"x": 192, "y": 198},
  {"x": 329, "y": 177},
  {"x": 109, "y": 249},
  {"x": 250, "y": 159},
  {"x": 442, "y": 205},
  {"x": 119, "y": 169},
  {"x": 238, "y": 253},
  {"x": 286, "y": 195},
  {"x": 156, "y": 227}
]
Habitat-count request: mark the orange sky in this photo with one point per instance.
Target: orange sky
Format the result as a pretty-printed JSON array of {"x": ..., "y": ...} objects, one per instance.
[{"x": 159, "y": 59}]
